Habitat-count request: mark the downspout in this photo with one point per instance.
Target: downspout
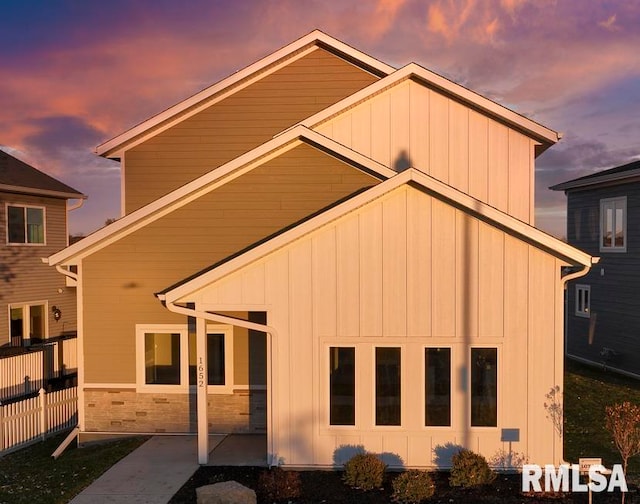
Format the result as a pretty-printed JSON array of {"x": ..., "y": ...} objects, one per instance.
[
  {"x": 76, "y": 205},
  {"x": 272, "y": 335}
]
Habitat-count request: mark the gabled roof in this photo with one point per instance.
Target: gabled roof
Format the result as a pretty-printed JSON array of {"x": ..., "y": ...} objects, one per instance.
[
  {"x": 545, "y": 136},
  {"x": 625, "y": 173},
  {"x": 210, "y": 181},
  {"x": 205, "y": 98},
  {"x": 16, "y": 176},
  {"x": 411, "y": 176}
]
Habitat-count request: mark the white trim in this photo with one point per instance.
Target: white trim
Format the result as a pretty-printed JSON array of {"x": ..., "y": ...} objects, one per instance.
[
  {"x": 618, "y": 200},
  {"x": 26, "y": 318},
  {"x": 521, "y": 229},
  {"x": 431, "y": 79},
  {"x": 326, "y": 394},
  {"x": 211, "y": 181},
  {"x": 582, "y": 307},
  {"x": 25, "y": 207},
  {"x": 109, "y": 386},
  {"x": 253, "y": 72},
  {"x": 33, "y": 191}
]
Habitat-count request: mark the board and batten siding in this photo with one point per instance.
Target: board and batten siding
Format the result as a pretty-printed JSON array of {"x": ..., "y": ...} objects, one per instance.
[
  {"x": 412, "y": 125},
  {"x": 120, "y": 280},
  {"x": 236, "y": 124},
  {"x": 411, "y": 271},
  {"x": 26, "y": 279}
]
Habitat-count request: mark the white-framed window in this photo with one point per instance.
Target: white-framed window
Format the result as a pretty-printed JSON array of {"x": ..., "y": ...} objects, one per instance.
[
  {"x": 342, "y": 386},
  {"x": 388, "y": 385},
  {"x": 583, "y": 300},
  {"x": 25, "y": 225},
  {"x": 28, "y": 322},
  {"x": 437, "y": 387},
  {"x": 166, "y": 358},
  {"x": 613, "y": 224},
  {"x": 483, "y": 377}
]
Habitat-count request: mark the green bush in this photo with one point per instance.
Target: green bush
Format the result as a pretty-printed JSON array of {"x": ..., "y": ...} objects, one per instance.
[
  {"x": 365, "y": 471},
  {"x": 276, "y": 484},
  {"x": 412, "y": 487},
  {"x": 470, "y": 469}
]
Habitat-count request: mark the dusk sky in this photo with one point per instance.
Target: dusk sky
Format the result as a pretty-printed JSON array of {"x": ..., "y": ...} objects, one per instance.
[{"x": 77, "y": 73}]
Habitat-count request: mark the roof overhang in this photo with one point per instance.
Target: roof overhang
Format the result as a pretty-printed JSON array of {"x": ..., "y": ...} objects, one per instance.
[
  {"x": 543, "y": 135},
  {"x": 41, "y": 192},
  {"x": 416, "y": 178},
  {"x": 316, "y": 39},
  {"x": 212, "y": 180},
  {"x": 599, "y": 180}
]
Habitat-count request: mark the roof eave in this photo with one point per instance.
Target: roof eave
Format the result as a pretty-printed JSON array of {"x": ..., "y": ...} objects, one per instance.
[
  {"x": 41, "y": 192},
  {"x": 616, "y": 178}
]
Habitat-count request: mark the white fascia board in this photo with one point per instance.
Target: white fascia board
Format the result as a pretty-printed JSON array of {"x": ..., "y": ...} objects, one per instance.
[
  {"x": 212, "y": 180},
  {"x": 610, "y": 179},
  {"x": 425, "y": 182},
  {"x": 232, "y": 84},
  {"x": 415, "y": 71},
  {"x": 41, "y": 192}
]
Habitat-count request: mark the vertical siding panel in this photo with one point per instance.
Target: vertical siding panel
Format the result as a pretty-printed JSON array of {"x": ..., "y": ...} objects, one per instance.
[
  {"x": 380, "y": 129},
  {"x": 342, "y": 129},
  {"x": 478, "y": 155},
  {"x": 325, "y": 129},
  {"x": 439, "y": 137},
  {"x": 459, "y": 146},
  {"x": 519, "y": 176},
  {"x": 491, "y": 275},
  {"x": 394, "y": 246},
  {"x": 301, "y": 310},
  {"x": 324, "y": 282},
  {"x": 466, "y": 275},
  {"x": 498, "y": 166},
  {"x": 253, "y": 285},
  {"x": 516, "y": 310},
  {"x": 419, "y": 126},
  {"x": 361, "y": 129},
  {"x": 348, "y": 277},
  {"x": 230, "y": 290},
  {"x": 443, "y": 294},
  {"x": 371, "y": 267},
  {"x": 540, "y": 377},
  {"x": 418, "y": 263},
  {"x": 400, "y": 126}
]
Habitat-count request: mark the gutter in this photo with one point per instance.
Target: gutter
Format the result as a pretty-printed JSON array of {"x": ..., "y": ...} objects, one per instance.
[{"x": 271, "y": 348}]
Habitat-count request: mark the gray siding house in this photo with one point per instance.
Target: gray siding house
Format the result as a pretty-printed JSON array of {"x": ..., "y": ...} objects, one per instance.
[
  {"x": 603, "y": 312},
  {"x": 36, "y": 302}
]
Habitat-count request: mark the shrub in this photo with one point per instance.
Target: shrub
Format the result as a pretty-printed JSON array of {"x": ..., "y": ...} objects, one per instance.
[
  {"x": 276, "y": 484},
  {"x": 365, "y": 471},
  {"x": 412, "y": 487},
  {"x": 470, "y": 469}
]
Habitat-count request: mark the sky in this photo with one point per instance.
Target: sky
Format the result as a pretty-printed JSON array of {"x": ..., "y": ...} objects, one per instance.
[{"x": 74, "y": 74}]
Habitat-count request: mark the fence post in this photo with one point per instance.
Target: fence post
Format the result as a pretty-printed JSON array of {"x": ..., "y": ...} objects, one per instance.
[
  {"x": 1, "y": 427},
  {"x": 43, "y": 414}
]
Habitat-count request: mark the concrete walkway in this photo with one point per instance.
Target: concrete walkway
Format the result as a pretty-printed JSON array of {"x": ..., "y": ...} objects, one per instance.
[{"x": 155, "y": 471}]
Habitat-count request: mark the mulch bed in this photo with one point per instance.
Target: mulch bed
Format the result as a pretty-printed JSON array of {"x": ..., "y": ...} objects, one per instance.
[{"x": 327, "y": 487}]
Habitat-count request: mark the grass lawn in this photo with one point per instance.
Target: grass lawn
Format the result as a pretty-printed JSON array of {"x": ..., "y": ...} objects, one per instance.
[
  {"x": 32, "y": 476},
  {"x": 587, "y": 391}
]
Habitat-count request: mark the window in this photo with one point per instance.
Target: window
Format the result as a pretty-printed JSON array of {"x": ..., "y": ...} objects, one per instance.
[
  {"x": 613, "y": 225},
  {"x": 27, "y": 323},
  {"x": 167, "y": 358},
  {"x": 437, "y": 366},
  {"x": 342, "y": 386},
  {"x": 484, "y": 387},
  {"x": 25, "y": 224},
  {"x": 583, "y": 300},
  {"x": 388, "y": 404}
]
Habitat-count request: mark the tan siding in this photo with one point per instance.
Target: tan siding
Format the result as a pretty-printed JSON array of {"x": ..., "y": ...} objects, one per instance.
[
  {"x": 410, "y": 124},
  {"x": 237, "y": 124},
  {"x": 122, "y": 278},
  {"x": 24, "y": 278},
  {"x": 481, "y": 283}
]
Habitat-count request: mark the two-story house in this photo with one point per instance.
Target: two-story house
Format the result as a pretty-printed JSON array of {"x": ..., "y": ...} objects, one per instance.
[
  {"x": 603, "y": 310},
  {"x": 35, "y": 301},
  {"x": 335, "y": 253}
]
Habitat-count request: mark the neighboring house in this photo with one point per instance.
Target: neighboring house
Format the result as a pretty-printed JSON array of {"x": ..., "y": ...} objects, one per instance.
[
  {"x": 332, "y": 252},
  {"x": 36, "y": 302},
  {"x": 603, "y": 310}
]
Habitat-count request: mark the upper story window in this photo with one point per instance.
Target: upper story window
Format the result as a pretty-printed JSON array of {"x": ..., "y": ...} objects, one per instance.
[
  {"x": 25, "y": 224},
  {"x": 613, "y": 224}
]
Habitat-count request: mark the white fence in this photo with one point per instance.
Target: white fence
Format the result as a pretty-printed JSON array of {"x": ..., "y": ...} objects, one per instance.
[
  {"x": 27, "y": 373},
  {"x": 30, "y": 420}
]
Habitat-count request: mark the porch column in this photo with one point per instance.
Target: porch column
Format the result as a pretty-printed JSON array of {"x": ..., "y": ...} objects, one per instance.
[{"x": 201, "y": 388}]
